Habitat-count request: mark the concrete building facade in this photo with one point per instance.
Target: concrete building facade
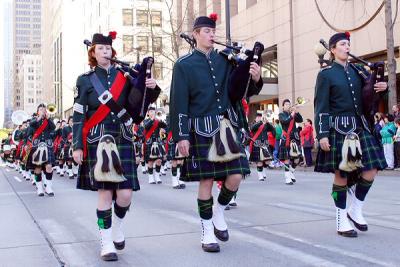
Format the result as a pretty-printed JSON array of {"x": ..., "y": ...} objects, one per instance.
[{"x": 27, "y": 40}]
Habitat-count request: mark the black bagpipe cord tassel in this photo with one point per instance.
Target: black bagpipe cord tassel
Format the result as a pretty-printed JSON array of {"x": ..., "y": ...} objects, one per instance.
[
  {"x": 219, "y": 145},
  {"x": 106, "y": 161},
  {"x": 233, "y": 146},
  {"x": 37, "y": 157},
  {"x": 350, "y": 157},
  {"x": 116, "y": 163},
  {"x": 44, "y": 156}
]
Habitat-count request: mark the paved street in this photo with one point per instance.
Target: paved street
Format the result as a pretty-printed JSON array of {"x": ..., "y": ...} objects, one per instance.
[{"x": 273, "y": 225}]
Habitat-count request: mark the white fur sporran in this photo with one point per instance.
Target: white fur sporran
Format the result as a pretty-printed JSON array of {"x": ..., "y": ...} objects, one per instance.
[
  {"x": 41, "y": 154},
  {"x": 351, "y": 153},
  {"x": 227, "y": 141},
  {"x": 294, "y": 151},
  {"x": 155, "y": 152},
  {"x": 108, "y": 167}
]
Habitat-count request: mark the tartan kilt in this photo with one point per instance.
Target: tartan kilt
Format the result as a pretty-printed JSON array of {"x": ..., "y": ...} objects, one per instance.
[
  {"x": 255, "y": 153},
  {"x": 124, "y": 141},
  {"x": 58, "y": 154},
  {"x": 171, "y": 151},
  {"x": 138, "y": 149},
  {"x": 66, "y": 148},
  {"x": 147, "y": 150},
  {"x": 52, "y": 159},
  {"x": 284, "y": 151},
  {"x": 372, "y": 153},
  {"x": 197, "y": 167}
]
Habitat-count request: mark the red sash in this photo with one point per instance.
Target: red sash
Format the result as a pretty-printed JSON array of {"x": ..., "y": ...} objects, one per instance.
[
  {"x": 151, "y": 130},
  {"x": 103, "y": 110},
  {"x": 40, "y": 130},
  {"x": 168, "y": 138},
  {"x": 259, "y": 131},
  {"x": 57, "y": 142},
  {"x": 291, "y": 124},
  {"x": 21, "y": 142}
]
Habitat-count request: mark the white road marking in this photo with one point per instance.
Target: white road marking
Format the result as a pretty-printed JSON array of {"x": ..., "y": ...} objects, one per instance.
[{"x": 17, "y": 178}]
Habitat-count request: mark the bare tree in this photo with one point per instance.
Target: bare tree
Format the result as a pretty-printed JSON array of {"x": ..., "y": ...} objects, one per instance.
[{"x": 391, "y": 62}]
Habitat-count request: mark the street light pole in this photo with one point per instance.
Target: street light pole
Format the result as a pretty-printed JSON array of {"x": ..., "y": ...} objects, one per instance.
[{"x": 228, "y": 22}]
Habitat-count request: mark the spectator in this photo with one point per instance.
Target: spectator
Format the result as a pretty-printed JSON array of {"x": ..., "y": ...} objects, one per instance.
[
  {"x": 307, "y": 141},
  {"x": 387, "y": 133},
  {"x": 396, "y": 111},
  {"x": 396, "y": 140},
  {"x": 379, "y": 123}
]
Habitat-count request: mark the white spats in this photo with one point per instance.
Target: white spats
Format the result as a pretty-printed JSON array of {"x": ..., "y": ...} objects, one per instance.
[
  {"x": 207, "y": 232},
  {"x": 342, "y": 222},
  {"x": 218, "y": 217}
]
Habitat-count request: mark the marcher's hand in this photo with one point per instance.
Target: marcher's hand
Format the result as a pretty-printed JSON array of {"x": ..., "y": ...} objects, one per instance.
[
  {"x": 255, "y": 71},
  {"x": 151, "y": 83},
  {"x": 324, "y": 144},
  {"x": 380, "y": 87},
  {"x": 183, "y": 147},
  {"x": 78, "y": 156}
]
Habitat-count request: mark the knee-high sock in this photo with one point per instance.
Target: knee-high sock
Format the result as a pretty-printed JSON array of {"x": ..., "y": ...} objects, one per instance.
[
  {"x": 158, "y": 168},
  {"x": 205, "y": 208},
  {"x": 49, "y": 176},
  {"x": 225, "y": 195},
  {"x": 339, "y": 195},
  {"x": 104, "y": 218},
  {"x": 120, "y": 211},
  {"x": 362, "y": 188}
]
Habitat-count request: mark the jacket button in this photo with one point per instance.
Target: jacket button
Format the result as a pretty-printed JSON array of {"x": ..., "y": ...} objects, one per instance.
[{"x": 216, "y": 84}]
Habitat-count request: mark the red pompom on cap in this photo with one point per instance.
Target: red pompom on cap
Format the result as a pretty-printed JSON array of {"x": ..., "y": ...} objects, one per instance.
[
  {"x": 113, "y": 35},
  {"x": 213, "y": 16},
  {"x": 347, "y": 34}
]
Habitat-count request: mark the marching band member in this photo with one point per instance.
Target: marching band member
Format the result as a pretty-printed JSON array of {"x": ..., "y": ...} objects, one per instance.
[
  {"x": 106, "y": 104},
  {"x": 41, "y": 157},
  {"x": 204, "y": 125},
  {"x": 289, "y": 146},
  {"x": 343, "y": 135},
  {"x": 67, "y": 141},
  {"x": 154, "y": 151},
  {"x": 58, "y": 148},
  {"x": 175, "y": 158},
  {"x": 260, "y": 130}
]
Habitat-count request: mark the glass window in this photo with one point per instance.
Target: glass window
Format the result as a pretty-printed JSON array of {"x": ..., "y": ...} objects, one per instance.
[
  {"x": 156, "y": 18},
  {"x": 127, "y": 17},
  {"x": 142, "y": 18},
  {"x": 143, "y": 43},
  {"x": 157, "y": 44},
  {"x": 158, "y": 71},
  {"x": 127, "y": 41}
]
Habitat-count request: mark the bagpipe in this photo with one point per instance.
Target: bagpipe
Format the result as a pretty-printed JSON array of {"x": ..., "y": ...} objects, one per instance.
[
  {"x": 137, "y": 104},
  {"x": 370, "y": 97}
]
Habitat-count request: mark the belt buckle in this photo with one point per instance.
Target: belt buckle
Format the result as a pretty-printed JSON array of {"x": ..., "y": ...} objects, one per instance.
[{"x": 105, "y": 97}]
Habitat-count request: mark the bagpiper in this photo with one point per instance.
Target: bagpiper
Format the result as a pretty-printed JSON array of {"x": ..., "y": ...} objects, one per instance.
[
  {"x": 205, "y": 125},
  {"x": 72, "y": 170},
  {"x": 346, "y": 146},
  {"x": 108, "y": 99}
]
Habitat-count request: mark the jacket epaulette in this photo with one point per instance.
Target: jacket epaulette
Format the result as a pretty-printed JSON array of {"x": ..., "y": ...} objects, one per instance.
[
  {"x": 325, "y": 68},
  {"x": 185, "y": 57},
  {"x": 88, "y": 72}
]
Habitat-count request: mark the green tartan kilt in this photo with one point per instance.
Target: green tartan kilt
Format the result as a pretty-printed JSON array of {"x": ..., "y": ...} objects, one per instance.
[
  {"x": 256, "y": 153},
  {"x": 124, "y": 140},
  {"x": 372, "y": 153},
  {"x": 197, "y": 167}
]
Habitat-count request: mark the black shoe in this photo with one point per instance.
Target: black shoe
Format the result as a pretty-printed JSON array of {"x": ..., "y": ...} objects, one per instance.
[
  {"x": 71, "y": 177},
  {"x": 152, "y": 183},
  {"x": 234, "y": 204},
  {"x": 177, "y": 187},
  {"x": 361, "y": 227},
  {"x": 213, "y": 247},
  {"x": 227, "y": 208},
  {"x": 119, "y": 245},
  {"x": 50, "y": 194},
  {"x": 182, "y": 186},
  {"x": 159, "y": 182},
  {"x": 293, "y": 180},
  {"x": 110, "y": 257},
  {"x": 350, "y": 233},
  {"x": 41, "y": 195},
  {"x": 221, "y": 235},
  {"x": 291, "y": 183}
]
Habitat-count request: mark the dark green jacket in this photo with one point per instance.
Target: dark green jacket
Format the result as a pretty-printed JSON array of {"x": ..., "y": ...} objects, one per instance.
[
  {"x": 86, "y": 100},
  {"x": 338, "y": 99},
  {"x": 285, "y": 118},
  {"x": 264, "y": 134},
  {"x": 48, "y": 131},
  {"x": 199, "y": 94}
]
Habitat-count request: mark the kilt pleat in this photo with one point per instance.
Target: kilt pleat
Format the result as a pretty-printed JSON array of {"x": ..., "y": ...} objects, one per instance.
[
  {"x": 197, "y": 166},
  {"x": 124, "y": 141},
  {"x": 372, "y": 153}
]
